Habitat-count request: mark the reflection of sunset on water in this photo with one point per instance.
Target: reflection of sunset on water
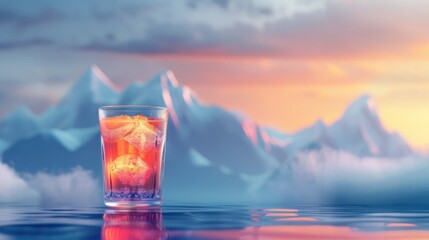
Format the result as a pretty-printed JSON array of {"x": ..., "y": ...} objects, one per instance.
[
  {"x": 280, "y": 210},
  {"x": 132, "y": 225},
  {"x": 307, "y": 232},
  {"x": 281, "y": 215},
  {"x": 297, "y": 219},
  {"x": 401, "y": 225}
]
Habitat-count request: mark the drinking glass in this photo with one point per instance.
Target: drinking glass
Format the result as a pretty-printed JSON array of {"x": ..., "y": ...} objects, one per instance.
[{"x": 133, "y": 151}]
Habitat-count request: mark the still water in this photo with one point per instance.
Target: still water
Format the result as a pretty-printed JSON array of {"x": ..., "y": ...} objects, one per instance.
[{"x": 215, "y": 222}]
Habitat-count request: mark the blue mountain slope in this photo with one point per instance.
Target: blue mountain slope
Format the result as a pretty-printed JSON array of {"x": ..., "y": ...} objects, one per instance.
[
  {"x": 18, "y": 125},
  {"x": 44, "y": 152}
]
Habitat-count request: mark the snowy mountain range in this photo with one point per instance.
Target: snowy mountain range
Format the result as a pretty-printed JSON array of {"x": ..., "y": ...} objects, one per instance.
[
  {"x": 359, "y": 131},
  {"x": 207, "y": 146}
]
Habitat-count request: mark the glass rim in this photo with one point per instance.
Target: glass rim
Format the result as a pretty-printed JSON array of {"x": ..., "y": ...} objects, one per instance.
[{"x": 132, "y": 108}]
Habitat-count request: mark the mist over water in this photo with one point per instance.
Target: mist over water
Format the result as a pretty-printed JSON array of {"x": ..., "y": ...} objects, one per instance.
[
  {"x": 333, "y": 177},
  {"x": 75, "y": 188},
  {"x": 322, "y": 177}
]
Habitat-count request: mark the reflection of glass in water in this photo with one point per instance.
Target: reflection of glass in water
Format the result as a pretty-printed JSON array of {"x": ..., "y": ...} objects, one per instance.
[{"x": 132, "y": 225}]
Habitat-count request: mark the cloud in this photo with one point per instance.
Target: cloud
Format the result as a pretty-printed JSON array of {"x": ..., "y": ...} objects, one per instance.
[
  {"x": 194, "y": 4},
  {"x": 341, "y": 30},
  {"x": 75, "y": 188},
  {"x": 206, "y": 28},
  {"x": 249, "y": 7},
  {"x": 181, "y": 39},
  {"x": 13, "y": 188},
  {"x": 325, "y": 177},
  {"x": 21, "y": 21},
  {"x": 339, "y": 178},
  {"x": 291, "y": 29},
  {"x": 25, "y": 43},
  {"x": 222, "y": 3}
]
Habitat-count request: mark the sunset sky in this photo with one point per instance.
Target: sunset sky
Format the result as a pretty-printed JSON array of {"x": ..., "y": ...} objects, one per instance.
[{"x": 283, "y": 63}]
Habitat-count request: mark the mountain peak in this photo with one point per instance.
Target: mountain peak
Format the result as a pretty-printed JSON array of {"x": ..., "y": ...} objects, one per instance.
[
  {"x": 21, "y": 112},
  {"x": 320, "y": 123},
  {"x": 359, "y": 131},
  {"x": 364, "y": 105},
  {"x": 95, "y": 77},
  {"x": 171, "y": 78},
  {"x": 93, "y": 82},
  {"x": 163, "y": 78}
]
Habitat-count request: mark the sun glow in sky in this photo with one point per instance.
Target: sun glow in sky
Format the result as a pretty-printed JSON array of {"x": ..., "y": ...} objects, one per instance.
[{"x": 286, "y": 64}]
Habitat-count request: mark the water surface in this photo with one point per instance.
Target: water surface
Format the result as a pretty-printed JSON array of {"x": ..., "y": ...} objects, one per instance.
[{"x": 215, "y": 222}]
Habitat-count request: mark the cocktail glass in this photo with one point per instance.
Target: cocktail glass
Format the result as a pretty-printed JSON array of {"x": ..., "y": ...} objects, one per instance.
[{"x": 133, "y": 150}]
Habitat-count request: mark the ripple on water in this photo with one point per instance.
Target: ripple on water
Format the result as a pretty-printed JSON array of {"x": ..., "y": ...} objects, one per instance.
[{"x": 213, "y": 222}]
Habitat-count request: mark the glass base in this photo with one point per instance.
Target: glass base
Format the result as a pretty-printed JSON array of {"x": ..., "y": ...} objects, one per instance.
[
  {"x": 134, "y": 204},
  {"x": 126, "y": 199}
]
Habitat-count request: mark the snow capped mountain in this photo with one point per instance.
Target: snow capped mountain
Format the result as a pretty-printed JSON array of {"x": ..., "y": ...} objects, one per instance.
[
  {"x": 313, "y": 137},
  {"x": 202, "y": 127},
  {"x": 359, "y": 131},
  {"x": 207, "y": 147},
  {"x": 365, "y": 132},
  {"x": 93, "y": 90}
]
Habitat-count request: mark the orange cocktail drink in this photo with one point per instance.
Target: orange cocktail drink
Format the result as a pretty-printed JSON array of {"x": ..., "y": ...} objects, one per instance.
[{"x": 133, "y": 146}]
